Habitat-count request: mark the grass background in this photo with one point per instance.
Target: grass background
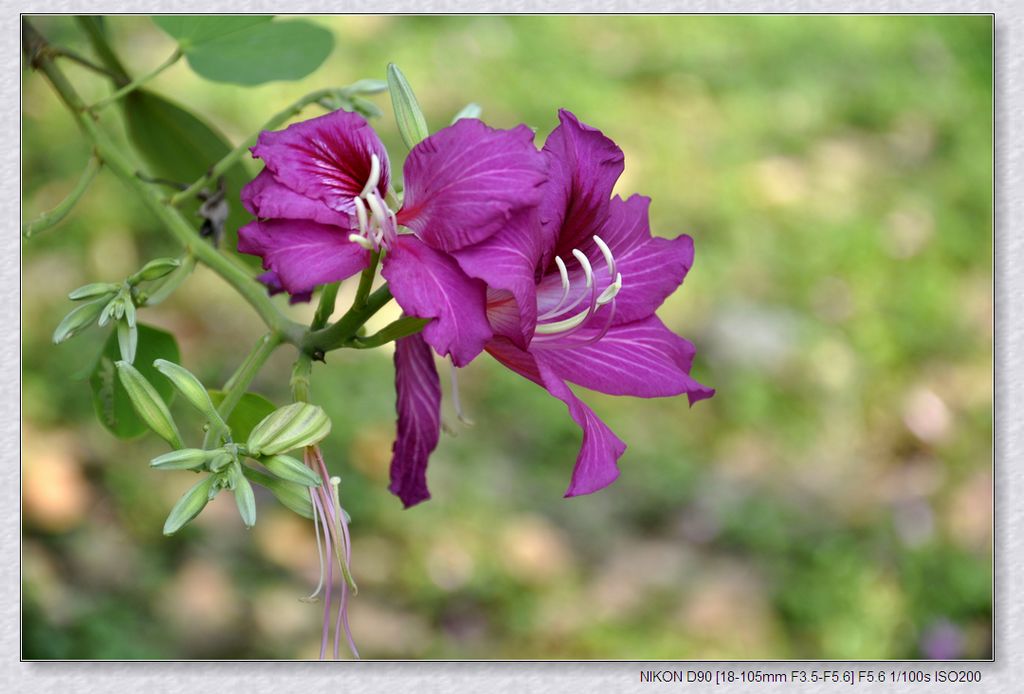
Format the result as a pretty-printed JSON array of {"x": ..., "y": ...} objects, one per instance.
[{"x": 832, "y": 501}]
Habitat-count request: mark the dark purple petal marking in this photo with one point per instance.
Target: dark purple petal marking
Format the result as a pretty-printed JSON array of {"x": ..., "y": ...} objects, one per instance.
[
  {"x": 463, "y": 183},
  {"x": 328, "y": 158},
  {"x": 301, "y": 253},
  {"x": 418, "y": 405},
  {"x": 429, "y": 284}
]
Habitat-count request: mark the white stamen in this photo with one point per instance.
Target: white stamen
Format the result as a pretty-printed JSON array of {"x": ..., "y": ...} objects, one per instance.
[
  {"x": 609, "y": 293},
  {"x": 361, "y": 240},
  {"x": 456, "y": 401},
  {"x": 314, "y": 596},
  {"x": 377, "y": 209},
  {"x": 609, "y": 259},
  {"x": 565, "y": 290},
  {"x": 587, "y": 269},
  {"x": 374, "y": 180},
  {"x": 361, "y": 214},
  {"x": 563, "y": 325}
]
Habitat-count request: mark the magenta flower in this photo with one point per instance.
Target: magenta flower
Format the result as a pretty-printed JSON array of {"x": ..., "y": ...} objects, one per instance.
[
  {"x": 321, "y": 208},
  {"x": 571, "y": 292}
]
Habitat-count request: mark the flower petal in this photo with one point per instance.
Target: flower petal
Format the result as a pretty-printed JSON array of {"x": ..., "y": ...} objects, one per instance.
[
  {"x": 463, "y": 183},
  {"x": 303, "y": 254},
  {"x": 325, "y": 158},
  {"x": 265, "y": 197},
  {"x": 418, "y": 403},
  {"x": 508, "y": 261},
  {"x": 583, "y": 167},
  {"x": 429, "y": 284},
  {"x": 642, "y": 358},
  {"x": 651, "y": 267},
  {"x": 273, "y": 285},
  {"x": 596, "y": 465}
]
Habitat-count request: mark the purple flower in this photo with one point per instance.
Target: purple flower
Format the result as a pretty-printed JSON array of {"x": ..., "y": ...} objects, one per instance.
[
  {"x": 572, "y": 287},
  {"x": 321, "y": 208}
]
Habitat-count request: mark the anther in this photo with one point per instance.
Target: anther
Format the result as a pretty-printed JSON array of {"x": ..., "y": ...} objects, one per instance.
[{"x": 361, "y": 240}]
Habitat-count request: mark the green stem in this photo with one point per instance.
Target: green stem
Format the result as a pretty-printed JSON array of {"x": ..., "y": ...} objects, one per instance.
[
  {"x": 403, "y": 327},
  {"x": 93, "y": 28},
  {"x": 51, "y": 218},
  {"x": 84, "y": 62},
  {"x": 366, "y": 281},
  {"x": 342, "y": 332},
  {"x": 299, "y": 381},
  {"x": 239, "y": 382},
  {"x": 137, "y": 82},
  {"x": 328, "y": 297},
  {"x": 234, "y": 155},
  {"x": 251, "y": 290}
]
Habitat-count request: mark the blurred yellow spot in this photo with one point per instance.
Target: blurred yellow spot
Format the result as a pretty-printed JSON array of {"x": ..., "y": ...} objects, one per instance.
[{"x": 56, "y": 494}]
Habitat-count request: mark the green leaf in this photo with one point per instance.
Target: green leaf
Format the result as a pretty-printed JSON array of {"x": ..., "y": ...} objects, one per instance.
[
  {"x": 113, "y": 407},
  {"x": 194, "y": 30},
  {"x": 178, "y": 146},
  {"x": 263, "y": 53},
  {"x": 411, "y": 123},
  {"x": 249, "y": 412}
]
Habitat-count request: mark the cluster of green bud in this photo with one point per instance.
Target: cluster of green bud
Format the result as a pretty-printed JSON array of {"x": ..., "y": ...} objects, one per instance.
[
  {"x": 230, "y": 465},
  {"x": 107, "y": 301},
  {"x": 350, "y": 98}
]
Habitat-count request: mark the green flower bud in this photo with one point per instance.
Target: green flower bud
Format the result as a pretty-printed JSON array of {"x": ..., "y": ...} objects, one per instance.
[
  {"x": 189, "y": 506},
  {"x": 148, "y": 404},
  {"x": 127, "y": 340},
  {"x": 411, "y": 123},
  {"x": 292, "y": 496},
  {"x": 366, "y": 86},
  {"x": 245, "y": 499},
  {"x": 109, "y": 310},
  {"x": 95, "y": 289},
  {"x": 184, "y": 459},
  {"x": 221, "y": 461},
  {"x": 190, "y": 387},
  {"x": 78, "y": 320},
  {"x": 468, "y": 111},
  {"x": 292, "y": 426},
  {"x": 288, "y": 468},
  {"x": 154, "y": 270}
]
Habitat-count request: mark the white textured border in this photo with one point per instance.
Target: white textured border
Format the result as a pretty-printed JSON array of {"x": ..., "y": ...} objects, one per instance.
[{"x": 1006, "y": 674}]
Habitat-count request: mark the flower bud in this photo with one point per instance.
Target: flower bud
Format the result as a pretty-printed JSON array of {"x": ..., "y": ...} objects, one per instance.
[
  {"x": 290, "y": 495},
  {"x": 154, "y": 270},
  {"x": 78, "y": 320},
  {"x": 468, "y": 111},
  {"x": 95, "y": 289},
  {"x": 292, "y": 426},
  {"x": 189, "y": 386},
  {"x": 127, "y": 340},
  {"x": 291, "y": 469},
  {"x": 148, "y": 404},
  {"x": 188, "y": 506},
  {"x": 411, "y": 123},
  {"x": 245, "y": 499},
  {"x": 183, "y": 459}
]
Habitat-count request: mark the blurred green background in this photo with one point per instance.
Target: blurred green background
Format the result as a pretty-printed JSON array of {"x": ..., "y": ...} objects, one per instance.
[{"x": 833, "y": 500}]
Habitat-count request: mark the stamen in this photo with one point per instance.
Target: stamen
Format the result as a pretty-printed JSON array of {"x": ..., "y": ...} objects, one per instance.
[
  {"x": 587, "y": 269},
  {"x": 609, "y": 259},
  {"x": 562, "y": 325},
  {"x": 362, "y": 241},
  {"x": 565, "y": 290},
  {"x": 455, "y": 396},
  {"x": 374, "y": 180},
  {"x": 611, "y": 291},
  {"x": 377, "y": 209},
  {"x": 312, "y": 597},
  {"x": 361, "y": 214}
]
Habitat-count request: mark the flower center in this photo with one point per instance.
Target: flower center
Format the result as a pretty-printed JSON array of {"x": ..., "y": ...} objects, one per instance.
[
  {"x": 377, "y": 223},
  {"x": 563, "y": 318}
]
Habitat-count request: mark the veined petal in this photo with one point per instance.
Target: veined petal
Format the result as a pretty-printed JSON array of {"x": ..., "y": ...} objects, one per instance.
[
  {"x": 507, "y": 261},
  {"x": 463, "y": 183},
  {"x": 429, "y": 284},
  {"x": 418, "y": 403},
  {"x": 301, "y": 253},
  {"x": 596, "y": 465},
  {"x": 265, "y": 197},
  {"x": 643, "y": 358},
  {"x": 651, "y": 267},
  {"x": 326, "y": 158},
  {"x": 583, "y": 168}
]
